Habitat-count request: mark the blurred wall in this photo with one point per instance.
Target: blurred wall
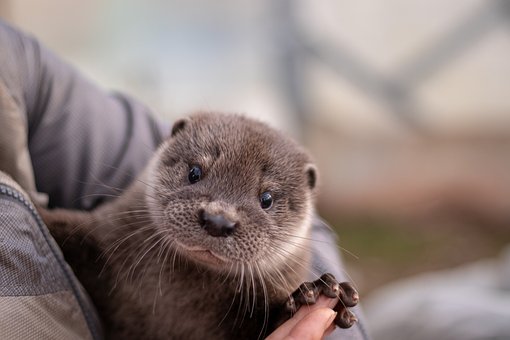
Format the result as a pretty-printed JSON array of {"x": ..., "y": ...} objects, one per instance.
[
  {"x": 177, "y": 56},
  {"x": 373, "y": 67},
  {"x": 404, "y": 104}
]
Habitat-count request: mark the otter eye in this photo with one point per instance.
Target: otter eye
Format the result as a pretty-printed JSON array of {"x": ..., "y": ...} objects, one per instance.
[
  {"x": 266, "y": 200},
  {"x": 195, "y": 174}
]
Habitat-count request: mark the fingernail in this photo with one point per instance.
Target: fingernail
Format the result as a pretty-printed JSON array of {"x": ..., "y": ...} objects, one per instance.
[{"x": 330, "y": 319}]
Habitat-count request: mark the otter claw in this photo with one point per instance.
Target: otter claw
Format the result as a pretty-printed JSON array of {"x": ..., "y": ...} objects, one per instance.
[
  {"x": 344, "y": 318},
  {"x": 291, "y": 305},
  {"x": 309, "y": 292},
  {"x": 329, "y": 285},
  {"x": 350, "y": 296}
]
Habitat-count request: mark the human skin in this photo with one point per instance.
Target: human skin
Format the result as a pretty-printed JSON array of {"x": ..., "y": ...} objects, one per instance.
[{"x": 309, "y": 323}]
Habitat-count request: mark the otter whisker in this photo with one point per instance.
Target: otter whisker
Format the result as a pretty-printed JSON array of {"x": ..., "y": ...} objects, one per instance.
[
  {"x": 153, "y": 187},
  {"x": 167, "y": 246},
  {"x": 115, "y": 245},
  {"x": 129, "y": 212},
  {"x": 117, "y": 226},
  {"x": 101, "y": 195},
  {"x": 233, "y": 296},
  {"x": 316, "y": 273},
  {"x": 142, "y": 245},
  {"x": 254, "y": 290},
  {"x": 290, "y": 256},
  {"x": 246, "y": 293},
  {"x": 266, "y": 302},
  {"x": 239, "y": 292},
  {"x": 112, "y": 250},
  {"x": 149, "y": 260},
  {"x": 336, "y": 245}
]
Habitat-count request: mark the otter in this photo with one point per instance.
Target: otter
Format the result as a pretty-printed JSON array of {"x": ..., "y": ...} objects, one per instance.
[{"x": 211, "y": 241}]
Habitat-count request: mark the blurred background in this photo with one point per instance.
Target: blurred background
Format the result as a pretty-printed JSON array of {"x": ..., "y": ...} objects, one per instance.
[{"x": 405, "y": 106}]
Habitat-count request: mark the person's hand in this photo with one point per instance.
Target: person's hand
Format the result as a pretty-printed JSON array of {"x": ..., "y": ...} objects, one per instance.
[{"x": 309, "y": 323}]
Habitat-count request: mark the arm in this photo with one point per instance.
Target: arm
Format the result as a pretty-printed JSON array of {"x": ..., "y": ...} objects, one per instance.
[{"x": 84, "y": 142}]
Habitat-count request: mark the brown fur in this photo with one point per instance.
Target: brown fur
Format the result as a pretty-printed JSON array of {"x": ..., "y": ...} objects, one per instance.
[{"x": 137, "y": 256}]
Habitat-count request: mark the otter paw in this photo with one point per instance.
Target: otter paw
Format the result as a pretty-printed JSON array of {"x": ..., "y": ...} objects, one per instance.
[{"x": 309, "y": 292}]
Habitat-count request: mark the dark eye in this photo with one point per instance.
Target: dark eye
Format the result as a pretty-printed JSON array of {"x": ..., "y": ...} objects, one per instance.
[
  {"x": 266, "y": 200},
  {"x": 195, "y": 174}
]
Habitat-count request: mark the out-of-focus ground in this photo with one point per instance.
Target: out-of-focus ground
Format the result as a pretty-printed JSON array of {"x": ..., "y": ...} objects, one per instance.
[
  {"x": 423, "y": 205},
  {"x": 405, "y": 105}
]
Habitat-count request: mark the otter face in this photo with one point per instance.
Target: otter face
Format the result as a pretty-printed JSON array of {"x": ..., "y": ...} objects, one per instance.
[{"x": 225, "y": 189}]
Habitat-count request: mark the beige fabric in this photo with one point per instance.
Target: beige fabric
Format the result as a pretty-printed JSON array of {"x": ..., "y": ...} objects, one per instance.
[
  {"x": 14, "y": 156},
  {"x": 52, "y": 316},
  {"x": 36, "y": 299},
  {"x": 5, "y": 178}
]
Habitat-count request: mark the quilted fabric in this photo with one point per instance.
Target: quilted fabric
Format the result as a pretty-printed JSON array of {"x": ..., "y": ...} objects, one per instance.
[{"x": 39, "y": 296}]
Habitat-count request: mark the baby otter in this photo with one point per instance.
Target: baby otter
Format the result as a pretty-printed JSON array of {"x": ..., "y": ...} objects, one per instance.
[{"x": 210, "y": 242}]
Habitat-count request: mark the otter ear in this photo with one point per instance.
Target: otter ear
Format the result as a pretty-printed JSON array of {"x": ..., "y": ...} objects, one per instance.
[
  {"x": 178, "y": 126},
  {"x": 311, "y": 175}
]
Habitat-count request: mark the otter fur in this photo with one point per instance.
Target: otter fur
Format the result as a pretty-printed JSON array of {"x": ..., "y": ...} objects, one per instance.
[{"x": 209, "y": 242}]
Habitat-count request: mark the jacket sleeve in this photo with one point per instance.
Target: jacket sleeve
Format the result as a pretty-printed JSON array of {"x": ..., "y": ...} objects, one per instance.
[
  {"x": 85, "y": 143},
  {"x": 326, "y": 259}
]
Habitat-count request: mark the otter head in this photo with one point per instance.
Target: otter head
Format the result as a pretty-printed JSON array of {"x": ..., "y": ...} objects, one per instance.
[{"x": 229, "y": 190}]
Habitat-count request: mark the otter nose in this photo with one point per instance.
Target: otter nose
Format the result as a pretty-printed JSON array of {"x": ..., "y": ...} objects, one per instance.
[{"x": 216, "y": 225}]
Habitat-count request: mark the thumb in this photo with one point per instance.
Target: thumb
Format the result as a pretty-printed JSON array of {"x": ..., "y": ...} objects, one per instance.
[{"x": 314, "y": 325}]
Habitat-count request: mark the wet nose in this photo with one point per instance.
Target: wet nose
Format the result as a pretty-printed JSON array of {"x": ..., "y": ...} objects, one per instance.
[{"x": 216, "y": 225}]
